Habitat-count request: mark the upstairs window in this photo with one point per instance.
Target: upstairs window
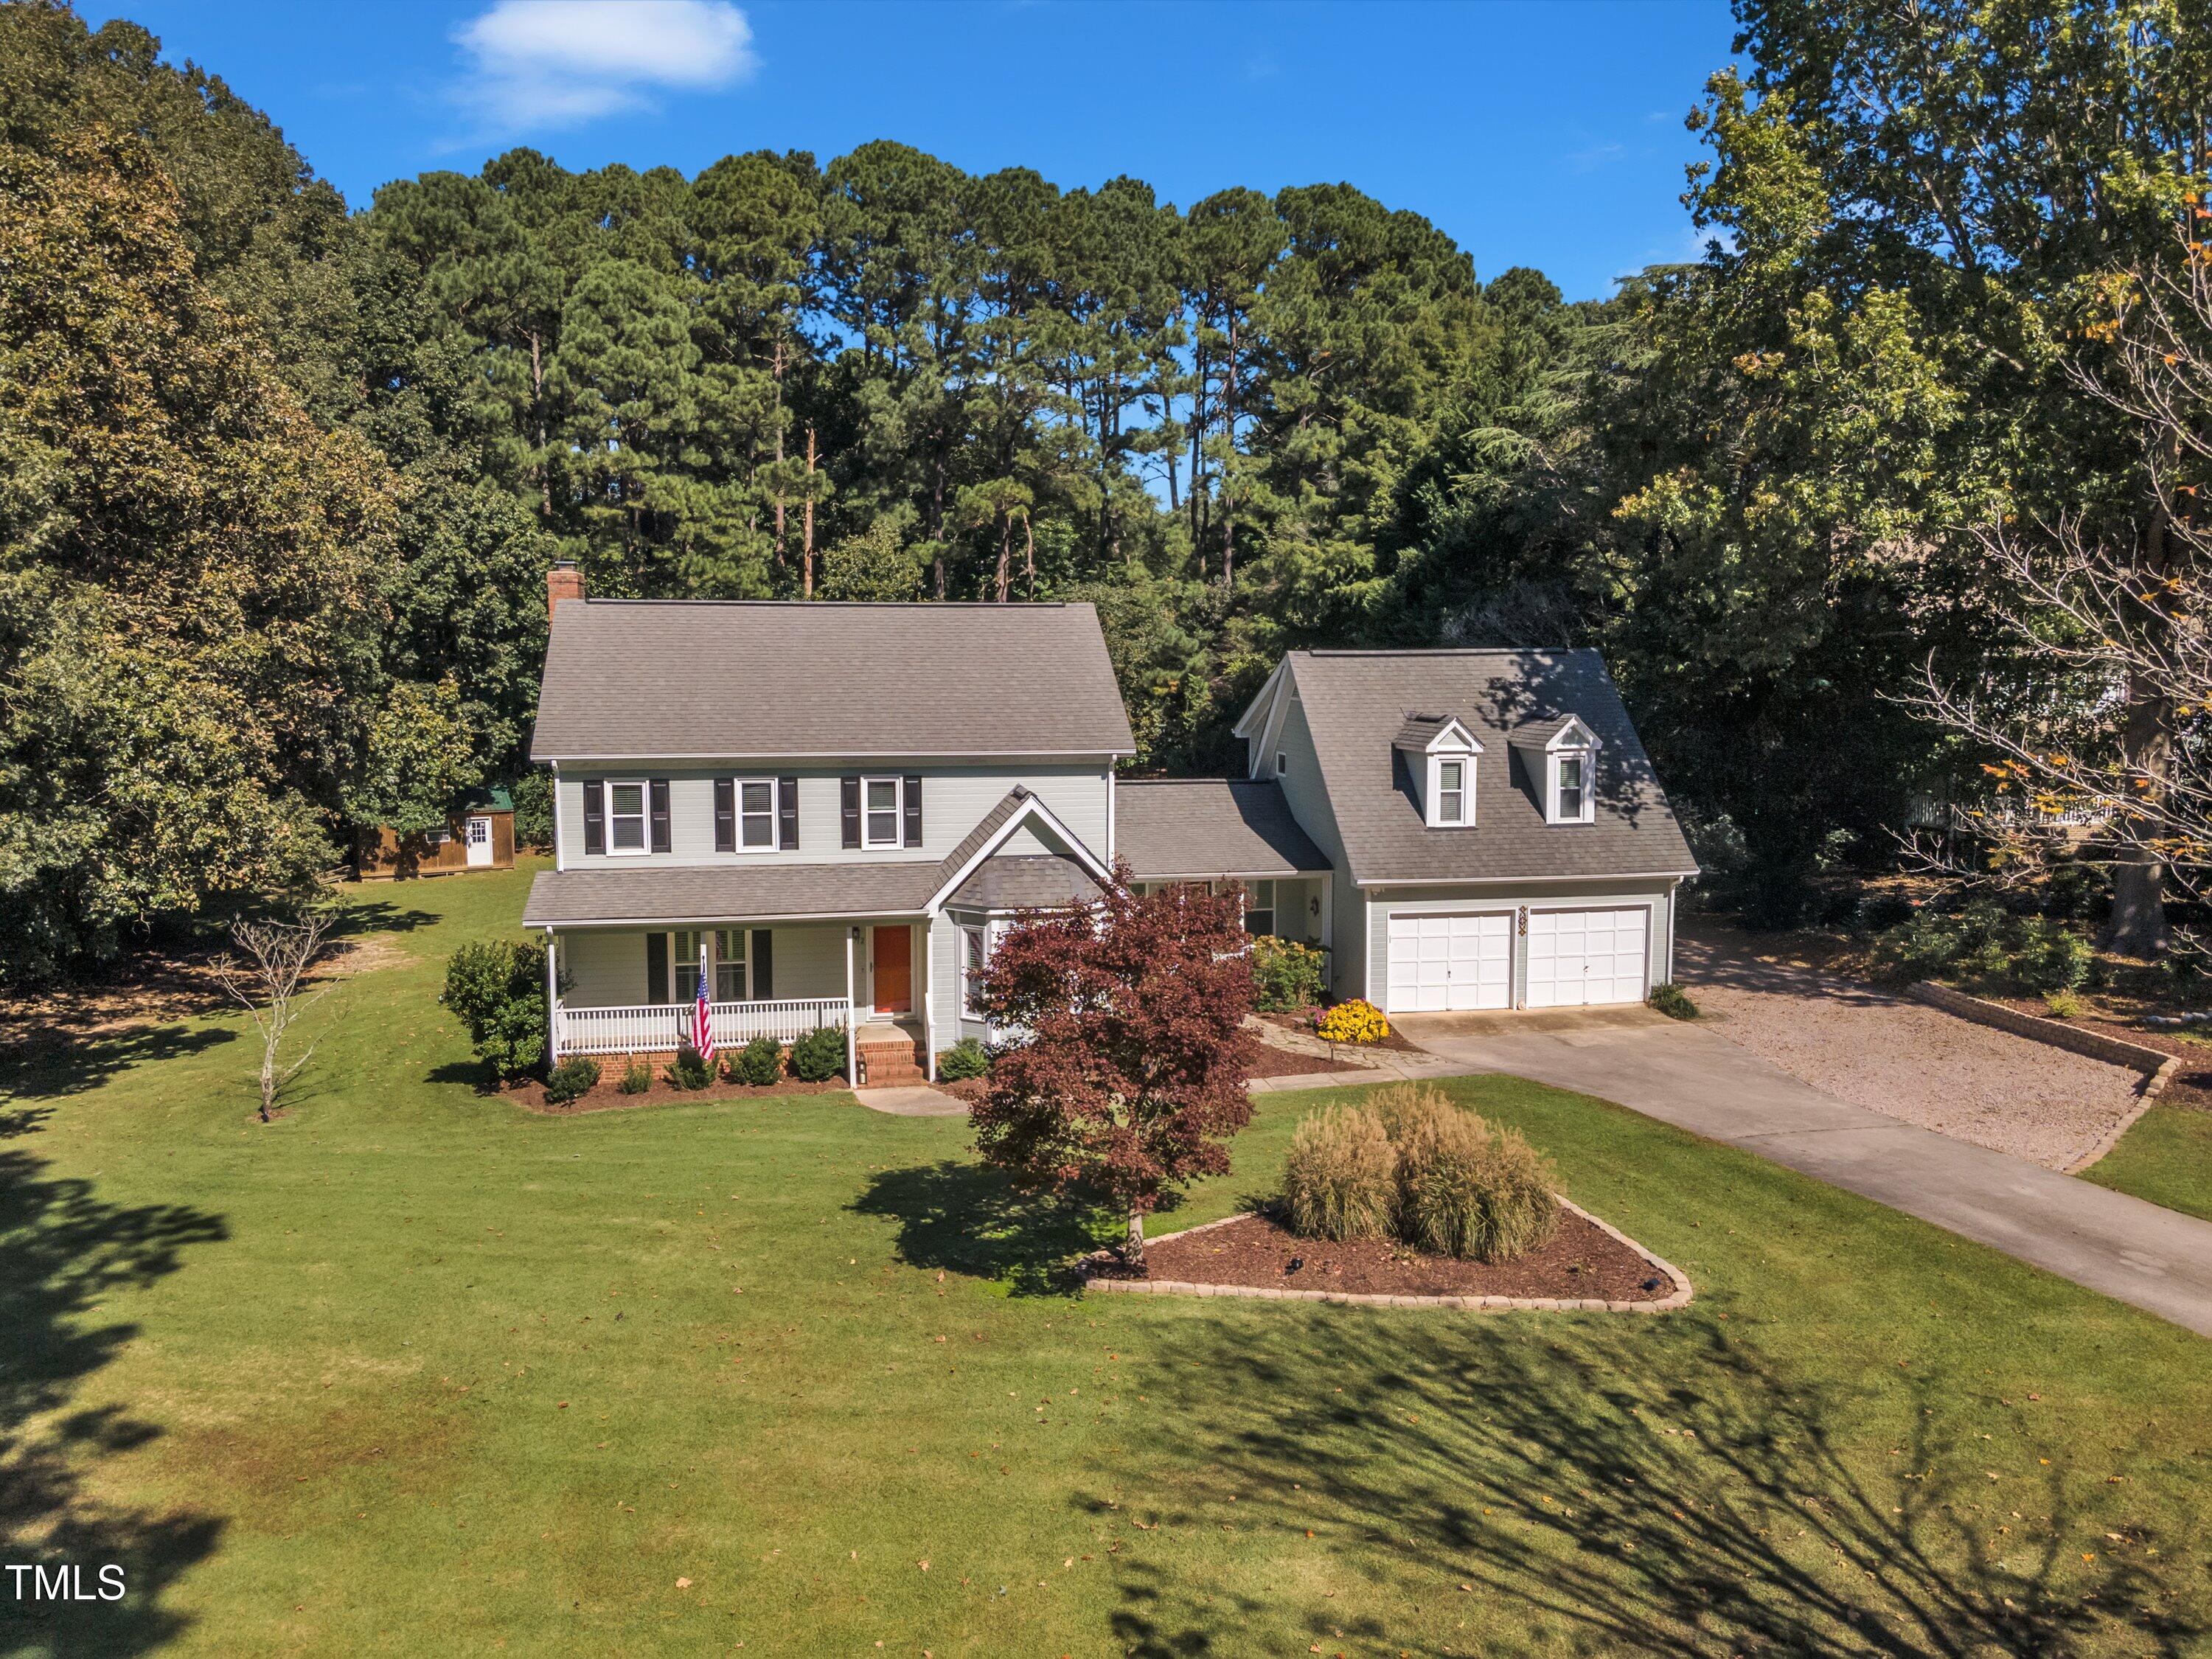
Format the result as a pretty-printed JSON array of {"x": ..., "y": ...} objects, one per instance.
[
  {"x": 1451, "y": 792},
  {"x": 880, "y": 813},
  {"x": 757, "y": 813},
  {"x": 626, "y": 817}
]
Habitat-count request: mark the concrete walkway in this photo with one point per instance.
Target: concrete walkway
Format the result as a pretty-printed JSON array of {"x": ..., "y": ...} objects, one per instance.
[
  {"x": 2154, "y": 1258},
  {"x": 919, "y": 1100}
]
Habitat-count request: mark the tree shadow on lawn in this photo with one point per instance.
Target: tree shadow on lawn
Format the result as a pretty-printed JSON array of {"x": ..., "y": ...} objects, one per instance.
[
  {"x": 63, "y": 1251},
  {"x": 1610, "y": 1487},
  {"x": 968, "y": 1218},
  {"x": 61, "y": 1061}
]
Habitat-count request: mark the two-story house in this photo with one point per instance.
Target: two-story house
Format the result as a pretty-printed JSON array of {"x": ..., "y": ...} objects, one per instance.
[{"x": 832, "y": 810}]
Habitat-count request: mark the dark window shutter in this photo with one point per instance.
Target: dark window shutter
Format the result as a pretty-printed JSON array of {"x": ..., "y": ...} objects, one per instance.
[
  {"x": 850, "y": 796},
  {"x": 913, "y": 794},
  {"x": 595, "y": 816},
  {"x": 763, "y": 959},
  {"x": 726, "y": 814},
  {"x": 658, "y": 787},
  {"x": 656, "y": 968},
  {"x": 786, "y": 815}
]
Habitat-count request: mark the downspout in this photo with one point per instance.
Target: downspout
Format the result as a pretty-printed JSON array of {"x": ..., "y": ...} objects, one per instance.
[
  {"x": 559, "y": 861},
  {"x": 929, "y": 997}
]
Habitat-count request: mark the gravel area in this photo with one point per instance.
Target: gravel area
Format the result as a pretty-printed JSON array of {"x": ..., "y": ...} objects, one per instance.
[{"x": 1903, "y": 1058}]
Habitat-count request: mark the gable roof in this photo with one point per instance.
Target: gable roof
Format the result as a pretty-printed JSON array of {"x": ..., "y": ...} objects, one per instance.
[
  {"x": 1209, "y": 827},
  {"x": 1025, "y": 881},
  {"x": 1420, "y": 731},
  {"x": 1356, "y": 703},
  {"x": 709, "y": 679}
]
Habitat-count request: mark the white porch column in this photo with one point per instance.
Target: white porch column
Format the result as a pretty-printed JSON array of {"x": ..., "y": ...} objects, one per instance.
[
  {"x": 929, "y": 998},
  {"x": 852, "y": 1015},
  {"x": 552, "y": 1002}
]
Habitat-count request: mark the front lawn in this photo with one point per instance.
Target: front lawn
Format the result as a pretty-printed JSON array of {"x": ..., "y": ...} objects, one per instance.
[
  {"x": 2165, "y": 1157},
  {"x": 415, "y": 1370}
]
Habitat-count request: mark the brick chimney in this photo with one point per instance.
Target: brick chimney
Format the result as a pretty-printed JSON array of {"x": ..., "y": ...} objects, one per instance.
[{"x": 562, "y": 581}]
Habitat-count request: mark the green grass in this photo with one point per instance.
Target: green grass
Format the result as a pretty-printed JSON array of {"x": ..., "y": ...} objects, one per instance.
[
  {"x": 411, "y": 1371},
  {"x": 2165, "y": 1157}
]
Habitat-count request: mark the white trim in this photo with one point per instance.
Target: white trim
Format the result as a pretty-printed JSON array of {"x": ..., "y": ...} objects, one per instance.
[
  {"x": 628, "y": 757},
  {"x": 1435, "y": 791},
  {"x": 1649, "y": 905},
  {"x": 852, "y": 1019},
  {"x": 560, "y": 849},
  {"x": 1264, "y": 695},
  {"x": 929, "y": 1000},
  {"x": 1109, "y": 817},
  {"x": 1478, "y": 909},
  {"x": 960, "y": 965},
  {"x": 1521, "y": 881},
  {"x": 748, "y": 920},
  {"x": 1031, "y": 806},
  {"x": 1444, "y": 742},
  {"x": 1573, "y": 735},
  {"x": 898, "y": 813},
  {"x": 1553, "y": 760},
  {"x": 644, "y": 787},
  {"x": 552, "y": 1001}
]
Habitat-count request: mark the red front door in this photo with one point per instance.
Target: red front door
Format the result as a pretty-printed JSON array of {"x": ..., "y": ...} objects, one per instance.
[{"x": 894, "y": 964}]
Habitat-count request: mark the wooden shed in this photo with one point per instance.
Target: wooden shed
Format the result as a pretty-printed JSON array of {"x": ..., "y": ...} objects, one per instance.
[{"x": 479, "y": 836}]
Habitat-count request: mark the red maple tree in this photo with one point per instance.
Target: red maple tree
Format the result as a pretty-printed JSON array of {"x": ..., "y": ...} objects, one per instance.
[{"x": 1131, "y": 1076}]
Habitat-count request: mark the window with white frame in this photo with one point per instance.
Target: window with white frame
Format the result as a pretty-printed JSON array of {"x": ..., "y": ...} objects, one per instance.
[
  {"x": 974, "y": 957},
  {"x": 881, "y": 803},
  {"x": 1572, "y": 801},
  {"x": 1260, "y": 907},
  {"x": 627, "y": 830},
  {"x": 757, "y": 813},
  {"x": 1282, "y": 761},
  {"x": 1451, "y": 799},
  {"x": 730, "y": 964}
]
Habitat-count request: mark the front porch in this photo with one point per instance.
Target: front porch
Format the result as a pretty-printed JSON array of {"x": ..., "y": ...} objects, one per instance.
[{"x": 617, "y": 991}]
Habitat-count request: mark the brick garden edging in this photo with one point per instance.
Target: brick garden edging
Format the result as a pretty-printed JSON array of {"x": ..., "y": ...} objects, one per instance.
[
  {"x": 1679, "y": 1297},
  {"x": 2156, "y": 1065}
]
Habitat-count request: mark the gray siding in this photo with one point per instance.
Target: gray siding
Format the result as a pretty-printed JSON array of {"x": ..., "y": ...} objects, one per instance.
[
  {"x": 1309, "y": 801},
  {"x": 954, "y": 799}
]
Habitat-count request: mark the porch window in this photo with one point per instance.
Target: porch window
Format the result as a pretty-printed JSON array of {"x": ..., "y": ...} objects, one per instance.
[
  {"x": 626, "y": 826},
  {"x": 730, "y": 965},
  {"x": 880, "y": 814},
  {"x": 757, "y": 813},
  {"x": 974, "y": 956},
  {"x": 1260, "y": 907},
  {"x": 684, "y": 948}
]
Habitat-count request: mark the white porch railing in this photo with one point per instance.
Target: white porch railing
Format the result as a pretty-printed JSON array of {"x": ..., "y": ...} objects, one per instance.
[{"x": 664, "y": 1027}]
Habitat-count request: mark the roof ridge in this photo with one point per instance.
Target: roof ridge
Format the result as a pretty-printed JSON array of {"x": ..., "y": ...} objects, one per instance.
[
  {"x": 849, "y": 605},
  {"x": 1443, "y": 651}
]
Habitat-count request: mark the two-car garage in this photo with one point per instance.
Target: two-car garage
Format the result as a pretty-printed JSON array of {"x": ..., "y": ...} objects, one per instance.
[{"x": 1459, "y": 961}]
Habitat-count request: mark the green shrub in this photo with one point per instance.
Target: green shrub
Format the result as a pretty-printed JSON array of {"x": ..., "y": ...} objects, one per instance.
[
  {"x": 574, "y": 1078},
  {"x": 1340, "y": 1180},
  {"x": 689, "y": 1070},
  {"x": 819, "y": 1055},
  {"x": 760, "y": 1063},
  {"x": 1983, "y": 945},
  {"x": 532, "y": 795},
  {"x": 964, "y": 1059},
  {"x": 497, "y": 988},
  {"x": 1672, "y": 1000},
  {"x": 2064, "y": 1005},
  {"x": 636, "y": 1078},
  {"x": 1469, "y": 1189},
  {"x": 1285, "y": 974}
]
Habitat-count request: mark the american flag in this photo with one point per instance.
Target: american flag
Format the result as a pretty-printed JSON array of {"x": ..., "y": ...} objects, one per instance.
[{"x": 703, "y": 1025}]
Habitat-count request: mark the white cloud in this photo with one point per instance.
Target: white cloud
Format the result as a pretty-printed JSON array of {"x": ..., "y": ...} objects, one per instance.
[{"x": 536, "y": 65}]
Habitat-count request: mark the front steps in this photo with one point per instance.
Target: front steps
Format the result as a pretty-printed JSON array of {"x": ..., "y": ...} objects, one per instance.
[{"x": 889, "y": 1058}]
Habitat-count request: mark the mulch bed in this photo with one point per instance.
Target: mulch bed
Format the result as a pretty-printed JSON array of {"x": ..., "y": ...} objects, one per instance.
[
  {"x": 1581, "y": 1261},
  {"x": 1259, "y": 1060},
  {"x": 607, "y": 1098},
  {"x": 1304, "y": 1021}
]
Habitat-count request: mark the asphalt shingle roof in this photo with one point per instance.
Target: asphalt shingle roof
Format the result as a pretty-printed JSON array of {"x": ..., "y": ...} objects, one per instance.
[
  {"x": 729, "y": 892},
  {"x": 1209, "y": 827},
  {"x": 636, "y": 679},
  {"x": 1025, "y": 881},
  {"x": 1357, "y": 702}
]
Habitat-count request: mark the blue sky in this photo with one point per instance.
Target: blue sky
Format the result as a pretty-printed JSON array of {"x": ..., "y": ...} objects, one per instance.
[{"x": 1549, "y": 135}]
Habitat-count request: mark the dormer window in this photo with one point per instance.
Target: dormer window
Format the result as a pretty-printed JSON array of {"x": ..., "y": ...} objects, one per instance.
[
  {"x": 1451, "y": 791},
  {"x": 1570, "y": 792},
  {"x": 1439, "y": 752}
]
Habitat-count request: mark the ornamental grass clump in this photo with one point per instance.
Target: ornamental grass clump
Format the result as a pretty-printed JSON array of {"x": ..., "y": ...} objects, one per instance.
[
  {"x": 1341, "y": 1179},
  {"x": 1466, "y": 1187}
]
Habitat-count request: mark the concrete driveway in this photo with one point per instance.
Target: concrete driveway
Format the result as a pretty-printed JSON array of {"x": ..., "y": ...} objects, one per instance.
[{"x": 2137, "y": 1252}]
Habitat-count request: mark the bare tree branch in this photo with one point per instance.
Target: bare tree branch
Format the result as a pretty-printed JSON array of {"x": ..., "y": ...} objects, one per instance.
[{"x": 267, "y": 985}]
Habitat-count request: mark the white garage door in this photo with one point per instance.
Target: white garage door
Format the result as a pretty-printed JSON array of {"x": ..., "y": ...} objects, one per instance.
[
  {"x": 1440, "y": 963},
  {"x": 1576, "y": 957}
]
